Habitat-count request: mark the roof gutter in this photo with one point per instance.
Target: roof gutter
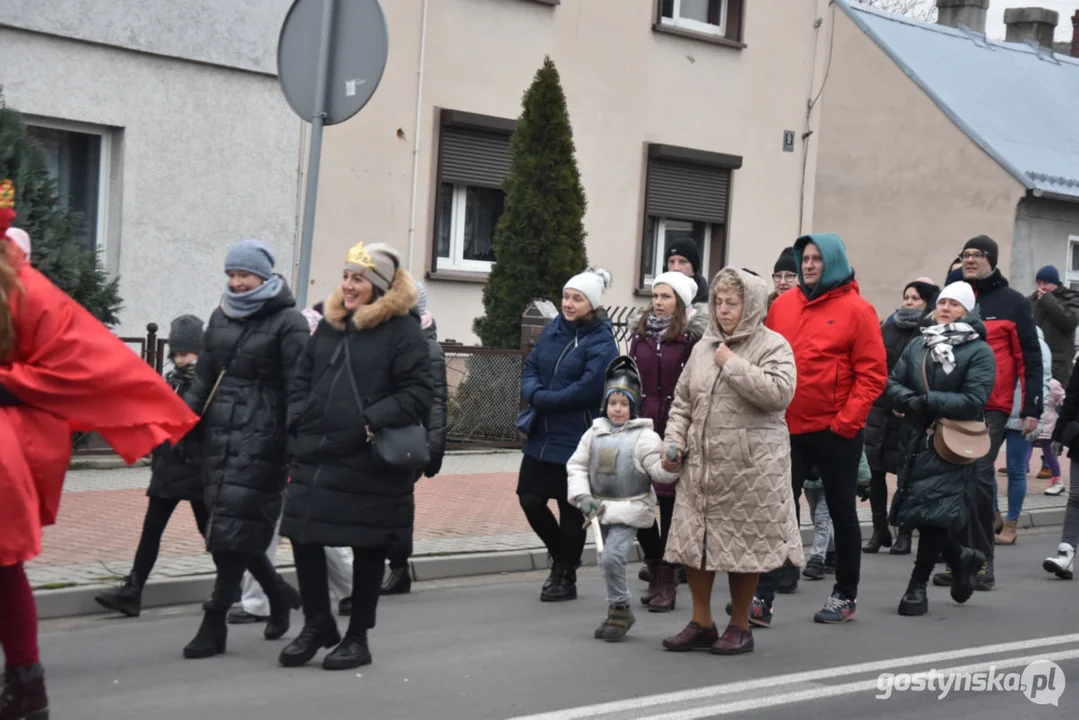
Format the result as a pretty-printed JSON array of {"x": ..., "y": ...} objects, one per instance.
[
  {"x": 1021, "y": 176},
  {"x": 1049, "y": 195}
]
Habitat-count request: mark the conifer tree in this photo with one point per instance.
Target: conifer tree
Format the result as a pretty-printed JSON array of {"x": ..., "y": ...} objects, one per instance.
[
  {"x": 539, "y": 240},
  {"x": 57, "y": 253}
]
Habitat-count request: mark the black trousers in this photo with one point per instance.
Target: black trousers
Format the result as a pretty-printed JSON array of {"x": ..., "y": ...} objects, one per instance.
[
  {"x": 368, "y": 567},
  {"x": 836, "y": 459},
  {"x": 653, "y": 540},
  {"x": 979, "y": 531},
  {"x": 878, "y": 499},
  {"x": 932, "y": 541},
  {"x": 537, "y": 483},
  {"x": 158, "y": 513},
  {"x": 230, "y": 573},
  {"x": 401, "y": 549}
]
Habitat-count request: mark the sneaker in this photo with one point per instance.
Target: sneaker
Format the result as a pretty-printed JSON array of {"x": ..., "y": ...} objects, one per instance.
[
  {"x": 1056, "y": 487},
  {"x": 760, "y": 613},
  {"x": 943, "y": 579},
  {"x": 814, "y": 569},
  {"x": 1061, "y": 564},
  {"x": 1045, "y": 473},
  {"x": 985, "y": 580},
  {"x": 837, "y": 609}
]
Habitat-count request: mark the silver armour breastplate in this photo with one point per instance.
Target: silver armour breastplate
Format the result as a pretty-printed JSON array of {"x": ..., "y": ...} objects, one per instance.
[{"x": 611, "y": 469}]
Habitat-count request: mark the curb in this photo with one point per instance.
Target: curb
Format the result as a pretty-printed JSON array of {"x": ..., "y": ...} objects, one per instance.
[{"x": 76, "y": 601}]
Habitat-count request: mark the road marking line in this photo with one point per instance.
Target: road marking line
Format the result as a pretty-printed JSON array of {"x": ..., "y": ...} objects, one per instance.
[
  {"x": 682, "y": 696},
  {"x": 845, "y": 689}
]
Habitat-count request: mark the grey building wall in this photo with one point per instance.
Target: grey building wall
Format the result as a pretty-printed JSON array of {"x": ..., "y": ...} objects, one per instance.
[
  {"x": 205, "y": 150},
  {"x": 1042, "y": 229}
]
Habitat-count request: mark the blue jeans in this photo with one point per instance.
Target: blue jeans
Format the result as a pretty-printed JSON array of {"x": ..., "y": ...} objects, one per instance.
[{"x": 1016, "y": 450}]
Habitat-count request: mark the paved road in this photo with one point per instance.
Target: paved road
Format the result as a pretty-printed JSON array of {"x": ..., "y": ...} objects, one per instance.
[{"x": 487, "y": 648}]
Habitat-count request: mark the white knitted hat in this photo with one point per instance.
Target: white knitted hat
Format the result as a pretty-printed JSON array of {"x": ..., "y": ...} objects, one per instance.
[
  {"x": 683, "y": 285},
  {"x": 591, "y": 283},
  {"x": 961, "y": 292}
]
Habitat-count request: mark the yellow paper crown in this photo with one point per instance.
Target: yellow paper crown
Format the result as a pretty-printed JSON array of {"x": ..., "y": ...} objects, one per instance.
[
  {"x": 7, "y": 194},
  {"x": 358, "y": 255}
]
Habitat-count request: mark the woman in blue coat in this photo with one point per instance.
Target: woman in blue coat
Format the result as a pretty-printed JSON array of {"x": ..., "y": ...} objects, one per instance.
[{"x": 562, "y": 383}]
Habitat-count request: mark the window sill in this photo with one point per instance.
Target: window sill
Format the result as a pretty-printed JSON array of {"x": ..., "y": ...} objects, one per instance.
[
  {"x": 643, "y": 292},
  {"x": 548, "y": 2},
  {"x": 462, "y": 276},
  {"x": 694, "y": 35}
]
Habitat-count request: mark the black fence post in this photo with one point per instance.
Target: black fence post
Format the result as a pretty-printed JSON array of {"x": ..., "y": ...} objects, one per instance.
[{"x": 151, "y": 346}]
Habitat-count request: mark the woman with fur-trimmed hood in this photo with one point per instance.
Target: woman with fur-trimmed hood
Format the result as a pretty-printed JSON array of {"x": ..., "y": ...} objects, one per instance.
[{"x": 366, "y": 368}]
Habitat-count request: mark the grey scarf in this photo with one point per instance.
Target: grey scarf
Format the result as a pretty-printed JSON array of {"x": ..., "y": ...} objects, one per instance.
[
  {"x": 907, "y": 318},
  {"x": 240, "y": 306}
]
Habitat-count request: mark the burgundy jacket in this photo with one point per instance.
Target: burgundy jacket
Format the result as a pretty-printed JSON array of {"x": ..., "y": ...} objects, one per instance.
[{"x": 660, "y": 365}]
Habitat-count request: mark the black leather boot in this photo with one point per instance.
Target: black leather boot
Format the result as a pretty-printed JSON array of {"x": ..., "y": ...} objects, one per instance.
[
  {"x": 879, "y": 539},
  {"x": 914, "y": 601},
  {"x": 565, "y": 585},
  {"x": 284, "y": 600},
  {"x": 398, "y": 582},
  {"x": 318, "y": 632},
  {"x": 351, "y": 653},
  {"x": 23, "y": 696},
  {"x": 125, "y": 598},
  {"x": 902, "y": 545},
  {"x": 211, "y": 637},
  {"x": 788, "y": 578}
]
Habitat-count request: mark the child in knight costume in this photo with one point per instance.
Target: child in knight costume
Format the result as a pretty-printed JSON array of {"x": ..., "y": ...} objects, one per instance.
[{"x": 610, "y": 476}]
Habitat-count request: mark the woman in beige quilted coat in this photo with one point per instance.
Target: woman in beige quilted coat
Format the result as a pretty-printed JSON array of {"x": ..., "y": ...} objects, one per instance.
[{"x": 734, "y": 510}]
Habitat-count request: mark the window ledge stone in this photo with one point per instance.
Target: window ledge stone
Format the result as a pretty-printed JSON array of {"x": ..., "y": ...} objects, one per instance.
[
  {"x": 462, "y": 276},
  {"x": 694, "y": 35}
]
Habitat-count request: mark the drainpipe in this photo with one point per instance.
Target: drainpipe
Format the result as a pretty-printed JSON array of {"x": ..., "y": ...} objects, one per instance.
[{"x": 416, "y": 139}]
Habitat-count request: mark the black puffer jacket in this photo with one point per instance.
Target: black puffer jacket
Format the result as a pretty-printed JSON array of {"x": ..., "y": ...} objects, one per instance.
[
  {"x": 882, "y": 427},
  {"x": 436, "y": 418},
  {"x": 1057, "y": 314},
  {"x": 244, "y": 428},
  {"x": 933, "y": 492},
  {"x": 175, "y": 474},
  {"x": 339, "y": 495}
]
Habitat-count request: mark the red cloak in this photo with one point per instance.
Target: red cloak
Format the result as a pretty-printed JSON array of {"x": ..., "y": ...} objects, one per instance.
[{"x": 72, "y": 374}]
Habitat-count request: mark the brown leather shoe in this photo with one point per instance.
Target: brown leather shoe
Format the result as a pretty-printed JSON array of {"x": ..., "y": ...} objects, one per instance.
[
  {"x": 667, "y": 589},
  {"x": 733, "y": 641},
  {"x": 693, "y": 637}
]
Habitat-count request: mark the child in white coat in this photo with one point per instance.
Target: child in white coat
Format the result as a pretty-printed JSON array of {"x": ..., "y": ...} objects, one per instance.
[{"x": 610, "y": 476}]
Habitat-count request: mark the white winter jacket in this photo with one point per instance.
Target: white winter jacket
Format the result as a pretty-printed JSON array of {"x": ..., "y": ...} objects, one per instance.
[{"x": 647, "y": 458}]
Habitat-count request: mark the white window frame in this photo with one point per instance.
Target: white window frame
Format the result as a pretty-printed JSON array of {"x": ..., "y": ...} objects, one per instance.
[
  {"x": 456, "y": 259},
  {"x": 696, "y": 25},
  {"x": 660, "y": 262},
  {"x": 1071, "y": 275},
  {"x": 104, "y": 170}
]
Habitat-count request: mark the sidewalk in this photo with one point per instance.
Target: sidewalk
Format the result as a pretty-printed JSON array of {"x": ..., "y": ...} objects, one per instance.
[{"x": 470, "y": 508}]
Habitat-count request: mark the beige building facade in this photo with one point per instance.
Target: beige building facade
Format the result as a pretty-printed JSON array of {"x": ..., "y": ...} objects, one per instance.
[{"x": 688, "y": 119}]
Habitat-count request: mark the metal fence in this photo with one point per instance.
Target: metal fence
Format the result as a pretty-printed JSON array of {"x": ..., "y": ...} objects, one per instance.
[
  {"x": 483, "y": 396},
  {"x": 620, "y": 316}
]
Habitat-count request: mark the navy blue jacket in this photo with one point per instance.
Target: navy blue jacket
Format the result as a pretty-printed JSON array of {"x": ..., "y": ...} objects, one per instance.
[{"x": 563, "y": 382}]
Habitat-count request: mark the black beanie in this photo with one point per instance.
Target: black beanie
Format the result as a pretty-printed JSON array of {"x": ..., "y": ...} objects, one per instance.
[
  {"x": 687, "y": 248},
  {"x": 926, "y": 291},
  {"x": 185, "y": 335},
  {"x": 786, "y": 263},
  {"x": 987, "y": 245}
]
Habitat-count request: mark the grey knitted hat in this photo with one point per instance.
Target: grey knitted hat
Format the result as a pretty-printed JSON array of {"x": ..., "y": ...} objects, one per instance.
[{"x": 251, "y": 256}]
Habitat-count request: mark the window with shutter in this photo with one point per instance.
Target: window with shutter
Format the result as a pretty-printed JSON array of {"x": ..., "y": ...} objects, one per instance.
[
  {"x": 473, "y": 160},
  {"x": 687, "y": 197}
]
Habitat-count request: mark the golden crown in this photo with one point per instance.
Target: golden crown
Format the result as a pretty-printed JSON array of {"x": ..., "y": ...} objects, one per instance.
[
  {"x": 358, "y": 255},
  {"x": 7, "y": 194}
]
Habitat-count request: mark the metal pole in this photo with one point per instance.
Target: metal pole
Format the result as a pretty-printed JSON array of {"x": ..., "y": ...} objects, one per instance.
[{"x": 318, "y": 118}]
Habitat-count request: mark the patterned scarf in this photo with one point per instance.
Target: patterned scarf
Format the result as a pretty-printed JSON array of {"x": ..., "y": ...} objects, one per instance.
[
  {"x": 657, "y": 326},
  {"x": 940, "y": 339}
]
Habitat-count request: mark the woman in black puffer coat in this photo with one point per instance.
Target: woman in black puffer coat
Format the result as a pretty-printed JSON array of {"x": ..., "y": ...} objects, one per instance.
[
  {"x": 947, "y": 372},
  {"x": 366, "y": 369},
  {"x": 246, "y": 387},
  {"x": 882, "y": 427}
]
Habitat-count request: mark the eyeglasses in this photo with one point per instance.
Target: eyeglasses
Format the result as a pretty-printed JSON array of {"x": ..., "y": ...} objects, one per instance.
[
  {"x": 972, "y": 255},
  {"x": 784, "y": 277}
]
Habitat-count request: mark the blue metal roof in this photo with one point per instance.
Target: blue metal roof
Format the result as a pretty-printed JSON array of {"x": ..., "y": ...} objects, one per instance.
[{"x": 1017, "y": 102}]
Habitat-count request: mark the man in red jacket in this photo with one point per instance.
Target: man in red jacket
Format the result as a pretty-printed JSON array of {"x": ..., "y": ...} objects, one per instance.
[{"x": 842, "y": 370}]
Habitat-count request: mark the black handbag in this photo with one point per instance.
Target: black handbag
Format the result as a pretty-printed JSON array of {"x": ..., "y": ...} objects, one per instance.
[
  {"x": 402, "y": 447},
  {"x": 405, "y": 447}
]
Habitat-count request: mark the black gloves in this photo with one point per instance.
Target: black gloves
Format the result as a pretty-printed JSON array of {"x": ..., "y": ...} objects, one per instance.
[
  {"x": 863, "y": 492},
  {"x": 7, "y": 399},
  {"x": 433, "y": 466}
]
